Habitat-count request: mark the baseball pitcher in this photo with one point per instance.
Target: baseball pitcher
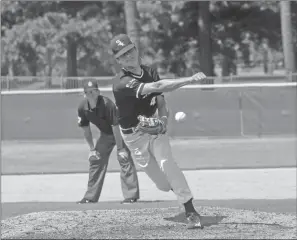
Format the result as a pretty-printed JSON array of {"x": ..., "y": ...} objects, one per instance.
[{"x": 143, "y": 120}]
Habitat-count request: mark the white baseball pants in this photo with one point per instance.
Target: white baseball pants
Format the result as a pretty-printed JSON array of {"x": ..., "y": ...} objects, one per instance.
[{"x": 153, "y": 154}]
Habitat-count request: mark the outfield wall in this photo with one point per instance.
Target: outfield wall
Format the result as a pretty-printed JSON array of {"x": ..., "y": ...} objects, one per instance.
[{"x": 210, "y": 113}]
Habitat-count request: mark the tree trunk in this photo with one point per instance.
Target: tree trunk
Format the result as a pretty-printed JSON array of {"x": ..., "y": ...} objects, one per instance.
[
  {"x": 132, "y": 22},
  {"x": 229, "y": 58},
  {"x": 204, "y": 38},
  {"x": 71, "y": 63},
  {"x": 226, "y": 66},
  {"x": 33, "y": 68},
  {"x": 10, "y": 75},
  {"x": 49, "y": 54},
  {"x": 288, "y": 45},
  {"x": 71, "y": 58}
]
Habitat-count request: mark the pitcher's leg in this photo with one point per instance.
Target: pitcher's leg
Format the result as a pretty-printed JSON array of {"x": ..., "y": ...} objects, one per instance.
[
  {"x": 156, "y": 175},
  {"x": 161, "y": 149},
  {"x": 139, "y": 143},
  {"x": 129, "y": 179},
  {"x": 98, "y": 168}
]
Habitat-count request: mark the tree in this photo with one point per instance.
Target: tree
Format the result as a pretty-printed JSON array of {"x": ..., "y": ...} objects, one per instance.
[
  {"x": 132, "y": 22},
  {"x": 32, "y": 41},
  {"x": 196, "y": 22},
  {"x": 288, "y": 46},
  {"x": 163, "y": 38},
  {"x": 79, "y": 32},
  {"x": 204, "y": 36},
  {"x": 233, "y": 21},
  {"x": 180, "y": 37},
  {"x": 17, "y": 12}
]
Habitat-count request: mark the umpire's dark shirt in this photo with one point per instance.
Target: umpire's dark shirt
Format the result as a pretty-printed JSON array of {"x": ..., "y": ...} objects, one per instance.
[{"x": 104, "y": 115}]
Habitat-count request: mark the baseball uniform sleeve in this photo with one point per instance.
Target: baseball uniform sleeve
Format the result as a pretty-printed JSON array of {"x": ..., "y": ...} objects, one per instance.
[
  {"x": 82, "y": 119},
  {"x": 155, "y": 75},
  {"x": 133, "y": 87},
  {"x": 112, "y": 113}
]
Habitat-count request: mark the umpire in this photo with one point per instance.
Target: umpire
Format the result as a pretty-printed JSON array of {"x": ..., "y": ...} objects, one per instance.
[{"x": 102, "y": 112}]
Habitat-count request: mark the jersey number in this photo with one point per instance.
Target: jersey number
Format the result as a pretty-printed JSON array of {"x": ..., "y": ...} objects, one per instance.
[
  {"x": 131, "y": 83},
  {"x": 153, "y": 101}
]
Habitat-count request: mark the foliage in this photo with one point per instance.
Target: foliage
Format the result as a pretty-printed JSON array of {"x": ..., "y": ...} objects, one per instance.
[
  {"x": 46, "y": 37},
  {"x": 36, "y": 35}
]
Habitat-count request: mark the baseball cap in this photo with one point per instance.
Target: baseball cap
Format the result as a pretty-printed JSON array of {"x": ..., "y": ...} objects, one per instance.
[
  {"x": 90, "y": 84},
  {"x": 121, "y": 44}
]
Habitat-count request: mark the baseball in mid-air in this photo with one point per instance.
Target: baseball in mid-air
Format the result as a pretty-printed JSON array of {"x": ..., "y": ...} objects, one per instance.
[{"x": 180, "y": 116}]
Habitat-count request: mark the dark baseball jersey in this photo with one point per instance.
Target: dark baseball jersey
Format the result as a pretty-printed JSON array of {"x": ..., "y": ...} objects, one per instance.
[
  {"x": 104, "y": 115},
  {"x": 130, "y": 102}
]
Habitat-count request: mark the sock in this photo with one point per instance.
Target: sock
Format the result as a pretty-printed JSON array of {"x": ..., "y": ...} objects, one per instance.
[{"x": 189, "y": 206}]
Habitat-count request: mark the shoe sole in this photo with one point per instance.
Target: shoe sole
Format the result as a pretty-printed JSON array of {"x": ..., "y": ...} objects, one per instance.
[
  {"x": 128, "y": 202},
  {"x": 86, "y": 202},
  {"x": 195, "y": 226}
]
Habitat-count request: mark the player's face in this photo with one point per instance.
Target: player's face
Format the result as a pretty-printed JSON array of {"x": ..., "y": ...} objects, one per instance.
[
  {"x": 92, "y": 94},
  {"x": 129, "y": 59}
]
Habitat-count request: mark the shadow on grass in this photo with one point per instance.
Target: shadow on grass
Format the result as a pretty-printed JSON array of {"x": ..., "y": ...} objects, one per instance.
[
  {"x": 205, "y": 220},
  {"x": 208, "y": 221}
]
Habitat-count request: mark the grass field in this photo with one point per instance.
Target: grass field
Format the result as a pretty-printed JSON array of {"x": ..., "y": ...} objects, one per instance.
[
  {"x": 70, "y": 156},
  {"x": 265, "y": 111}
]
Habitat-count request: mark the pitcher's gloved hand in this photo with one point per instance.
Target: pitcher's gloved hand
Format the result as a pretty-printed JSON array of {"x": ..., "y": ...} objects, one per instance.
[
  {"x": 153, "y": 126},
  {"x": 122, "y": 153},
  {"x": 94, "y": 155}
]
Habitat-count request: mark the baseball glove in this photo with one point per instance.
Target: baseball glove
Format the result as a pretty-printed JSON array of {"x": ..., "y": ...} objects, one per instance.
[{"x": 153, "y": 126}]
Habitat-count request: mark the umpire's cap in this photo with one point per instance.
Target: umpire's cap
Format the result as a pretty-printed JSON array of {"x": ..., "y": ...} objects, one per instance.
[
  {"x": 90, "y": 84},
  {"x": 121, "y": 44}
]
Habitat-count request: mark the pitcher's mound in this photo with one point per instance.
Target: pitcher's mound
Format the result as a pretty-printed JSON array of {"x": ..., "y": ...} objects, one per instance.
[{"x": 149, "y": 223}]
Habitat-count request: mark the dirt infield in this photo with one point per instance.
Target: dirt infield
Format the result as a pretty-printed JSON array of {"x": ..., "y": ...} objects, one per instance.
[
  {"x": 149, "y": 223},
  {"x": 264, "y": 205}
]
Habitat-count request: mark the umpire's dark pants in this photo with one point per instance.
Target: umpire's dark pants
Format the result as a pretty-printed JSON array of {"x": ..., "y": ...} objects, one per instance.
[{"x": 97, "y": 171}]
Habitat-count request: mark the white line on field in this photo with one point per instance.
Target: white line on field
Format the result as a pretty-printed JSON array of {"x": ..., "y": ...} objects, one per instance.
[{"x": 173, "y": 140}]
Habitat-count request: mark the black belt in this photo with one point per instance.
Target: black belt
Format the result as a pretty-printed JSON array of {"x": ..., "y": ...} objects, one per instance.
[{"x": 128, "y": 130}]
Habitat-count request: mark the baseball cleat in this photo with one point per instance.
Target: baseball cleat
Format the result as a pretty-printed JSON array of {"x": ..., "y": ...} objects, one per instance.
[
  {"x": 83, "y": 201},
  {"x": 129, "y": 201},
  {"x": 194, "y": 220}
]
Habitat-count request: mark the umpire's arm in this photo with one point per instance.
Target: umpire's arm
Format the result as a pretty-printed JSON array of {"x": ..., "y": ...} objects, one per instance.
[
  {"x": 114, "y": 120},
  {"x": 89, "y": 137},
  {"x": 84, "y": 123}
]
